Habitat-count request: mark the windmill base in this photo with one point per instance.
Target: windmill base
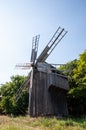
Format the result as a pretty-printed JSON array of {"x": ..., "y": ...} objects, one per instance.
[{"x": 47, "y": 95}]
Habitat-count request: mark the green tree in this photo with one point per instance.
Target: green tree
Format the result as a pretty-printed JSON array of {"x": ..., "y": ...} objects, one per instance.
[
  {"x": 76, "y": 72},
  {"x": 8, "y": 90},
  {"x": 68, "y": 70},
  {"x": 80, "y": 71},
  {"x": 77, "y": 94}
]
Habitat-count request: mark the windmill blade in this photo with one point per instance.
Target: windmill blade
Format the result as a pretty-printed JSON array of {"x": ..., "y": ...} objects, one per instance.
[
  {"x": 30, "y": 89},
  {"x": 56, "y": 64},
  {"x": 59, "y": 34},
  {"x": 24, "y": 65},
  {"x": 24, "y": 85},
  {"x": 35, "y": 42}
]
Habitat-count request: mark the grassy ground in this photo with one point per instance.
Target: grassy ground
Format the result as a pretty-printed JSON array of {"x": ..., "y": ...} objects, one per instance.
[{"x": 41, "y": 123}]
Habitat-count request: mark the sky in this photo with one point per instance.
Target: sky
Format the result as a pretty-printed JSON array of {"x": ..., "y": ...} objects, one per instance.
[{"x": 20, "y": 20}]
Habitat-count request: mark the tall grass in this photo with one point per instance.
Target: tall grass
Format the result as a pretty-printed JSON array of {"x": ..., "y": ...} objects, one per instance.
[{"x": 41, "y": 123}]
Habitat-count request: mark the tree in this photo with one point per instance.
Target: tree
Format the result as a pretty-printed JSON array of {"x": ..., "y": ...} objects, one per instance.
[
  {"x": 68, "y": 70},
  {"x": 76, "y": 72},
  {"x": 8, "y": 90},
  {"x": 77, "y": 94},
  {"x": 80, "y": 71}
]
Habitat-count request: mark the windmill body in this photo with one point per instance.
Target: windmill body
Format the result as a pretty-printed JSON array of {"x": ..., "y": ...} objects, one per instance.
[{"x": 47, "y": 85}]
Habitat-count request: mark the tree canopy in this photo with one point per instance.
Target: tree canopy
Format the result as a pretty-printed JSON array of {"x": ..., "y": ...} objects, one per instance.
[
  {"x": 76, "y": 72},
  {"x": 8, "y": 90}
]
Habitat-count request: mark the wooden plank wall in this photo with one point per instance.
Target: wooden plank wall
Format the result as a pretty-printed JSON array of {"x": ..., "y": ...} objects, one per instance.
[
  {"x": 58, "y": 80},
  {"x": 45, "y": 99}
]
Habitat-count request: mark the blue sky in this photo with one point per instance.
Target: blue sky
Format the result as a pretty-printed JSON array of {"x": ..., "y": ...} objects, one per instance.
[{"x": 20, "y": 20}]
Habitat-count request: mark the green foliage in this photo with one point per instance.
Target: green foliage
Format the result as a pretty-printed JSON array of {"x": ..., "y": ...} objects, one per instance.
[
  {"x": 68, "y": 70},
  {"x": 76, "y": 72},
  {"x": 80, "y": 71},
  {"x": 8, "y": 90}
]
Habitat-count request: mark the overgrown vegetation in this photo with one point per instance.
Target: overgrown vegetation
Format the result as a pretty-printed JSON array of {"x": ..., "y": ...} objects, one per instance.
[
  {"x": 76, "y": 72},
  {"x": 41, "y": 123}
]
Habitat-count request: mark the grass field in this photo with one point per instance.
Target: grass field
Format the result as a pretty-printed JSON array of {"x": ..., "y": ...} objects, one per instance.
[{"x": 41, "y": 123}]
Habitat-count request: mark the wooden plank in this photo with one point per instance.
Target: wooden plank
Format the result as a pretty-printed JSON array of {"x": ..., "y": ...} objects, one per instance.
[
  {"x": 59, "y": 81},
  {"x": 45, "y": 102}
]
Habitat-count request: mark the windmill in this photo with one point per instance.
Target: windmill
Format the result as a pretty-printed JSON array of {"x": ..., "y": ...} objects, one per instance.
[{"x": 47, "y": 85}]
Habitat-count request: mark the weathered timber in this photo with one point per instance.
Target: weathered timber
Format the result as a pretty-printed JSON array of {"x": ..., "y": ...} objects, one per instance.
[
  {"x": 48, "y": 94},
  {"x": 58, "y": 80}
]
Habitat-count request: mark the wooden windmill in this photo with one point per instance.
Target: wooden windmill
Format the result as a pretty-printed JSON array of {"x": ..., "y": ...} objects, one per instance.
[{"x": 47, "y": 86}]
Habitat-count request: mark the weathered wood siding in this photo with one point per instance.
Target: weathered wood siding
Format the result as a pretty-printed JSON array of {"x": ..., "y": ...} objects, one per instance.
[
  {"x": 47, "y": 95},
  {"x": 58, "y": 80}
]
